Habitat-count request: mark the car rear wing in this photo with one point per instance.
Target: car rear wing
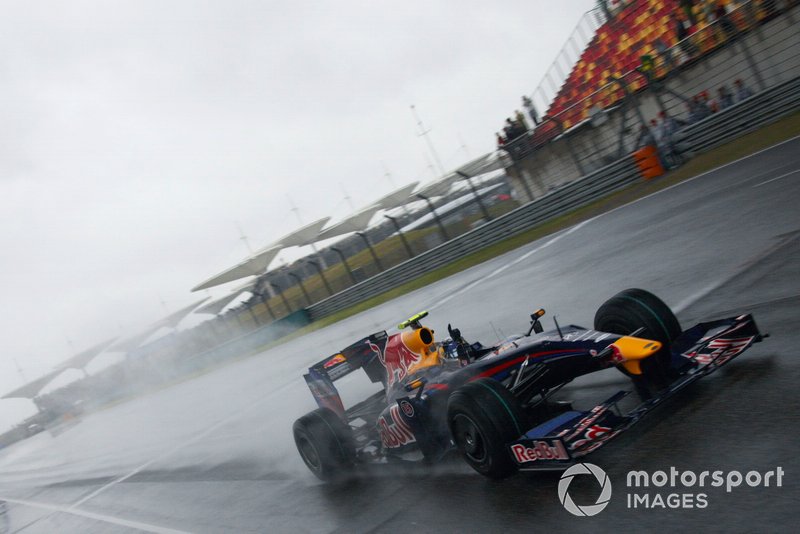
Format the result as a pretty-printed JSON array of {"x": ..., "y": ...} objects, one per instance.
[{"x": 363, "y": 354}]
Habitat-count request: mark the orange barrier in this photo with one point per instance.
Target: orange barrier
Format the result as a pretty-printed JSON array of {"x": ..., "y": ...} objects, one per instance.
[{"x": 648, "y": 162}]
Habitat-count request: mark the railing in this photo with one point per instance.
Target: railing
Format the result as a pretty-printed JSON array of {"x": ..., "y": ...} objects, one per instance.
[{"x": 577, "y": 194}]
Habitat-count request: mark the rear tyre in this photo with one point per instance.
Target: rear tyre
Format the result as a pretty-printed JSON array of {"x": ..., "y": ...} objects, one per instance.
[
  {"x": 631, "y": 309},
  {"x": 325, "y": 444},
  {"x": 484, "y": 417}
]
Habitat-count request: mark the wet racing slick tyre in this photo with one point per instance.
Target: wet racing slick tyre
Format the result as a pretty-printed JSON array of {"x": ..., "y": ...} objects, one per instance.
[
  {"x": 484, "y": 417},
  {"x": 325, "y": 444},
  {"x": 631, "y": 309}
]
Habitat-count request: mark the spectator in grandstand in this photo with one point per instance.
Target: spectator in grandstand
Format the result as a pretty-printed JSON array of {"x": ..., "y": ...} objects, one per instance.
[
  {"x": 687, "y": 6},
  {"x": 711, "y": 105},
  {"x": 682, "y": 26},
  {"x": 698, "y": 110},
  {"x": 520, "y": 120},
  {"x": 742, "y": 90},
  {"x": 512, "y": 130},
  {"x": 721, "y": 16},
  {"x": 656, "y": 131},
  {"x": 669, "y": 125},
  {"x": 725, "y": 99},
  {"x": 500, "y": 140},
  {"x": 527, "y": 103}
]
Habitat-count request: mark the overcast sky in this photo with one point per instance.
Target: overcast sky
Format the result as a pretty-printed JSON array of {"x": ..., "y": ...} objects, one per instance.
[{"x": 136, "y": 135}]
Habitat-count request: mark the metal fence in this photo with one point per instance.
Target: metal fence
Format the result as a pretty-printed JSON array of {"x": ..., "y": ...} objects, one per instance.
[{"x": 574, "y": 195}]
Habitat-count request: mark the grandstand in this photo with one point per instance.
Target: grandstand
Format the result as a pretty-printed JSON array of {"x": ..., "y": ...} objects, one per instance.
[{"x": 639, "y": 28}]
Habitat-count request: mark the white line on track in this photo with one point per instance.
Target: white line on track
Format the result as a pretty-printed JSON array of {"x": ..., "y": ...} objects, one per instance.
[
  {"x": 777, "y": 178},
  {"x": 118, "y": 521}
]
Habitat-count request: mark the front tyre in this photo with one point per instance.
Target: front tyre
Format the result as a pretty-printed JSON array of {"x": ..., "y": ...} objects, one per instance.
[
  {"x": 483, "y": 417},
  {"x": 631, "y": 309},
  {"x": 325, "y": 444}
]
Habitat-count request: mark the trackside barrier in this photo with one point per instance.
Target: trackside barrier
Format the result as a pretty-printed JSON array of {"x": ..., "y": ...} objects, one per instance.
[
  {"x": 573, "y": 195},
  {"x": 739, "y": 119}
]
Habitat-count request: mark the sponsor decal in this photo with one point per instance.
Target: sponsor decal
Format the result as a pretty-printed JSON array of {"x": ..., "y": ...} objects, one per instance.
[
  {"x": 722, "y": 350},
  {"x": 539, "y": 450},
  {"x": 396, "y": 358},
  {"x": 593, "y": 438},
  {"x": 393, "y": 429},
  {"x": 334, "y": 360},
  {"x": 407, "y": 408}
]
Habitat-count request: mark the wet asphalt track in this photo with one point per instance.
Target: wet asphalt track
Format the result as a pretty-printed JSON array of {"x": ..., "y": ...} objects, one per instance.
[{"x": 215, "y": 454}]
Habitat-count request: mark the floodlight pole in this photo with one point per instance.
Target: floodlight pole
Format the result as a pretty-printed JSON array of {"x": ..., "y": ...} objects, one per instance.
[
  {"x": 302, "y": 287},
  {"x": 468, "y": 178},
  {"x": 363, "y": 236},
  {"x": 283, "y": 297},
  {"x": 322, "y": 275},
  {"x": 400, "y": 233},
  {"x": 344, "y": 262},
  {"x": 435, "y": 215}
]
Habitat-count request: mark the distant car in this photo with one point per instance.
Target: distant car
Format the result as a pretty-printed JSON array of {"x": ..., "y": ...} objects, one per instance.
[{"x": 494, "y": 404}]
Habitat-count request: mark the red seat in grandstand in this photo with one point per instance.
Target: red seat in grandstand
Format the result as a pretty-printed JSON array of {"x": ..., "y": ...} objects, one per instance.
[{"x": 617, "y": 48}]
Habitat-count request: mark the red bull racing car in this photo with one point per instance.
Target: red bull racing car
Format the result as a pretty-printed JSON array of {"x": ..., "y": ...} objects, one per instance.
[{"x": 493, "y": 404}]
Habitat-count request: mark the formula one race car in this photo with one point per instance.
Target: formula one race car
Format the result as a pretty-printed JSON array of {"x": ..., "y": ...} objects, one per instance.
[{"x": 494, "y": 404}]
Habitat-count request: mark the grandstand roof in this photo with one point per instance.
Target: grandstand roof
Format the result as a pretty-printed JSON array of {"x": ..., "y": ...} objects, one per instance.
[
  {"x": 302, "y": 236},
  {"x": 439, "y": 187},
  {"x": 397, "y": 198},
  {"x": 31, "y": 389},
  {"x": 253, "y": 266},
  {"x": 354, "y": 223},
  {"x": 170, "y": 321},
  {"x": 80, "y": 360},
  {"x": 487, "y": 163},
  {"x": 216, "y": 306}
]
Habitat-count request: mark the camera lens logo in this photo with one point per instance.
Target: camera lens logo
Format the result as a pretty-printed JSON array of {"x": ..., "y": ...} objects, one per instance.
[{"x": 566, "y": 499}]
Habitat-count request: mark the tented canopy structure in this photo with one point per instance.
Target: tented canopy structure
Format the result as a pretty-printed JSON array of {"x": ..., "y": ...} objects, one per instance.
[
  {"x": 253, "y": 266},
  {"x": 354, "y": 223},
  {"x": 302, "y": 236},
  {"x": 439, "y": 187},
  {"x": 487, "y": 163},
  {"x": 31, "y": 389},
  {"x": 80, "y": 360},
  {"x": 216, "y": 306},
  {"x": 397, "y": 198},
  {"x": 170, "y": 321}
]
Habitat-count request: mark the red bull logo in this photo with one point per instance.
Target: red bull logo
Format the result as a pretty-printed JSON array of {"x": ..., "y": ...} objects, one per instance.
[
  {"x": 396, "y": 358},
  {"x": 539, "y": 450},
  {"x": 393, "y": 429}
]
